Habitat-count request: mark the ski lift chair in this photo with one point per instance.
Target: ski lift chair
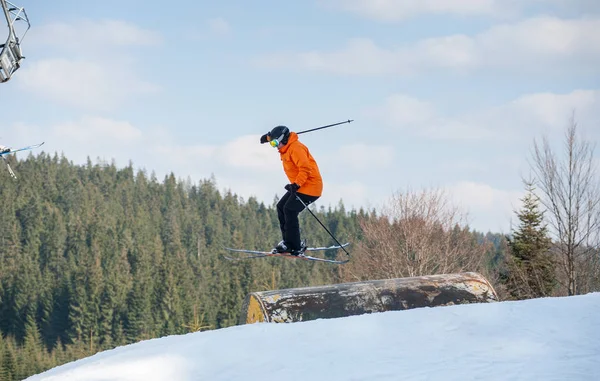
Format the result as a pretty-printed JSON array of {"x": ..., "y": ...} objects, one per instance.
[{"x": 10, "y": 51}]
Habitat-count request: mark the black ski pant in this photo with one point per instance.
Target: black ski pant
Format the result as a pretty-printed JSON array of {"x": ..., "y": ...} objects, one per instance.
[{"x": 288, "y": 209}]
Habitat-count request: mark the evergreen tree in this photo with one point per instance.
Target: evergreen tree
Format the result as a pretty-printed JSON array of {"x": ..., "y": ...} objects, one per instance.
[
  {"x": 531, "y": 269},
  {"x": 78, "y": 313},
  {"x": 32, "y": 350},
  {"x": 8, "y": 362},
  {"x": 137, "y": 323},
  {"x": 105, "y": 322}
]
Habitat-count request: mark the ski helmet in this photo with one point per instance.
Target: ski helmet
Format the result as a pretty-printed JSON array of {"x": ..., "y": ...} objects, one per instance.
[{"x": 279, "y": 136}]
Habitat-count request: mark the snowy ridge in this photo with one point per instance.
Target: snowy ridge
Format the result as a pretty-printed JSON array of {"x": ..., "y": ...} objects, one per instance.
[{"x": 539, "y": 339}]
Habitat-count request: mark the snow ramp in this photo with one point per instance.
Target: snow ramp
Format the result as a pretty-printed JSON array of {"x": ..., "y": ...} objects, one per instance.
[{"x": 357, "y": 298}]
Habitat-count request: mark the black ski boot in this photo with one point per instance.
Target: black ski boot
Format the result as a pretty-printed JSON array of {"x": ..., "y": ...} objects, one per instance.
[
  {"x": 299, "y": 252},
  {"x": 280, "y": 248}
]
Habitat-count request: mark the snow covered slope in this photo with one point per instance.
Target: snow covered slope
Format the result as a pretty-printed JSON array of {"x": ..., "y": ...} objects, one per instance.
[{"x": 541, "y": 339}]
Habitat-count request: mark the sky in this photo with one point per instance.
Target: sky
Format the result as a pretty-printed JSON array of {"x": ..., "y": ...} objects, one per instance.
[
  {"x": 446, "y": 94},
  {"x": 537, "y": 339}
]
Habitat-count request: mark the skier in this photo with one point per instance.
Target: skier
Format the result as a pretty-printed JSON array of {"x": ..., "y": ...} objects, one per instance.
[{"x": 305, "y": 182}]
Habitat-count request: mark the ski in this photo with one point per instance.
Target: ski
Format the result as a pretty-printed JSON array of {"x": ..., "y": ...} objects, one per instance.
[
  {"x": 263, "y": 254},
  {"x": 22, "y": 149},
  {"x": 286, "y": 255}
]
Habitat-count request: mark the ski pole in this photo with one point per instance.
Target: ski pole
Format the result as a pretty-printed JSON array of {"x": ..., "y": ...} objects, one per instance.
[
  {"x": 12, "y": 174},
  {"x": 327, "y": 126},
  {"x": 319, "y": 221}
]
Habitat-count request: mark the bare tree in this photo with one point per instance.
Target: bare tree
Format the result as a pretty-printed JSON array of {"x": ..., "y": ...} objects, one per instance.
[
  {"x": 571, "y": 195},
  {"x": 419, "y": 233}
]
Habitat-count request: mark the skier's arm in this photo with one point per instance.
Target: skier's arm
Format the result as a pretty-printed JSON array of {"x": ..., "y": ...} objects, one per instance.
[{"x": 300, "y": 158}]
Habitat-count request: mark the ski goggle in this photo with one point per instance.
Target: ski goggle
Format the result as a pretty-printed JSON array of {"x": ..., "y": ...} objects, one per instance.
[{"x": 277, "y": 141}]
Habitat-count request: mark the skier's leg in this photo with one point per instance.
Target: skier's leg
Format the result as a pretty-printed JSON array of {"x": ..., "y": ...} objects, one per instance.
[
  {"x": 292, "y": 209},
  {"x": 281, "y": 247},
  {"x": 307, "y": 199},
  {"x": 281, "y": 213}
]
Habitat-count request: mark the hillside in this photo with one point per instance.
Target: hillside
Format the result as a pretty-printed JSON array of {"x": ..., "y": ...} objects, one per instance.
[{"x": 539, "y": 339}]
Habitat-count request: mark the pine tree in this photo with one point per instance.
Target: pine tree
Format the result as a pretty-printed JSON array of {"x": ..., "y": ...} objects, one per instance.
[
  {"x": 32, "y": 349},
  {"x": 78, "y": 314},
  {"x": 139, "y": 313},
  {"x": 8, "y": 368},
  {"x": 105, "y": 322},
  {"x": 531, "y": 269}
]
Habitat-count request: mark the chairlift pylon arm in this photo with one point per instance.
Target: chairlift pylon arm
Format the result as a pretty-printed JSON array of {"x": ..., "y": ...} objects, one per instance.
[{"x": 10, "y": 51}]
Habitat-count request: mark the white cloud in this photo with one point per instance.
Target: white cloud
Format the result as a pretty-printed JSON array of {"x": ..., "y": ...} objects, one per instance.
[
  {"x": 570, "y": 45},
  {"x": 92, "y": 35},
  {"x": 526, "y": 116},
  {"x": 98, "y": 130},
  {"x": 490, "y": 205},
  {"x": 399, "y": 10},
  {"x": 420, "y": 118},
  {"x": 362, "y": 157},
  {"x": 185, "y": 154},
  {"x": 543, "y": 39},
  {"x": 394, "y": 10},
  {"x": 353, "y": 194},
  {"x": 401, "y": 109},
  {"x": 96, "y": 137},
  {"x": 87, "y": 64},
  {"x": 361, "y": 56},
  {"x": 531, "y": 115},
  {"x": 93, "y": 85},
  {"x": 156, "y": 148},
  {"x": 219, "y": 26},
  {"x": 465, "y": 165},
  {"x": 90, "y": 136},
  {"x": 552, "y": 109},
  {"x": 245, "y": 152}
]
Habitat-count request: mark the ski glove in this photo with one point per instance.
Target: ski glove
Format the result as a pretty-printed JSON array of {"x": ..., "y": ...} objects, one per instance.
[
  {"x": 292, "y": 187},
  {"x": 264, "y": 138}
]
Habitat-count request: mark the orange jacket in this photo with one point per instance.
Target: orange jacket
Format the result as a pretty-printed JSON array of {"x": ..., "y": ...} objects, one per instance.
[{"x": 300, "y": 167}]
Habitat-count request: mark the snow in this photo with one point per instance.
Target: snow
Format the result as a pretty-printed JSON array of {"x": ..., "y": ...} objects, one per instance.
[{"x": 538, "y": 339}]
